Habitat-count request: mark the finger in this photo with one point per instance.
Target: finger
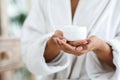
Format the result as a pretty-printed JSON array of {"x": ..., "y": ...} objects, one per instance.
[
  {"x": 84, "y": 49},
  {"x": 79, "y": 48},
  {"x": 64, "y": 40},
  {"x": 59, "y": 34},
  {"x": 67, "y": 47},
  {"x": 57, "y": 42},
  {"x": 89, "y": 47},
  {"x": 78, "y": 43},
  {"x": 61, "y": 46}
]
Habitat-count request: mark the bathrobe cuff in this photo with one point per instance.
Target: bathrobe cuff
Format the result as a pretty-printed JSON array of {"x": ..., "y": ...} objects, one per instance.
[
  {"x": 56, "y": 60},
  {"x": 35, "y": 61},
  {"x": 115, "y": 44},
  {"x": 60, "y": 59}
]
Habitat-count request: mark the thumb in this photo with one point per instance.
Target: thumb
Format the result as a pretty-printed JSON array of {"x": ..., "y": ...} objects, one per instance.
[{"x": 59, "y": 34}]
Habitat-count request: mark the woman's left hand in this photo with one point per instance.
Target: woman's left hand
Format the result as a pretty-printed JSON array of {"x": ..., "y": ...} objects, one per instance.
[
  {"x": 90, "y": 44},
  {"x": 98, "y": 46}
]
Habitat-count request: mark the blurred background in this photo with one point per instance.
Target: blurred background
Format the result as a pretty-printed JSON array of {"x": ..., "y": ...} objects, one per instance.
[{"x": 12, "y": 16}]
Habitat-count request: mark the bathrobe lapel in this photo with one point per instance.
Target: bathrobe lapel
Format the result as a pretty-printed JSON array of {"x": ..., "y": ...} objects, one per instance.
[
  {"x": 59, "y": 12},
  {"x": 87, "y": 12}
]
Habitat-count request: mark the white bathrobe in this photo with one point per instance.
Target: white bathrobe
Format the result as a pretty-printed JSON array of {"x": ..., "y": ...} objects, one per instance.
[{"x": 101, "y": 17}]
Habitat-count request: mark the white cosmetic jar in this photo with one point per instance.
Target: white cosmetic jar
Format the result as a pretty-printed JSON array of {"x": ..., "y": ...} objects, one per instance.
[{"x": 73, "y": 32}]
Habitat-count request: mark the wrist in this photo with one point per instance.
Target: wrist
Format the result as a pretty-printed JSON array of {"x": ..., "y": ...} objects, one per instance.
[
  {"x": 101, "y": 47},
  {"x": 51, "y": 51}
]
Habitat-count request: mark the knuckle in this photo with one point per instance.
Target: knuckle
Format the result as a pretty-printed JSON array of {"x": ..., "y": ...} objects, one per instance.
[{"x": 58, "y": 32}]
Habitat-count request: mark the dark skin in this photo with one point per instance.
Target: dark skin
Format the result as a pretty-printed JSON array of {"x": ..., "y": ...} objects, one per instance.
[
  {"x": 74, "y": 4},
  {"x": 57, "y": 43}
]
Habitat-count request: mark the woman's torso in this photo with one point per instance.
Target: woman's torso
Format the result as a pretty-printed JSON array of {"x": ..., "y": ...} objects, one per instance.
[{"x": 100, "y": 19}]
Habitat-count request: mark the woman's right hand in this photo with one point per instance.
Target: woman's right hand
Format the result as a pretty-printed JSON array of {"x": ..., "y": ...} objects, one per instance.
[{"x": 52, "y": 49}]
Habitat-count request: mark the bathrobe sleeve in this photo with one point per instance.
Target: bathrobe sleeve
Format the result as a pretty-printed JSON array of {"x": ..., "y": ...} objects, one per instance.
[
  {"x": 99, "y": 70},
  {"x": 115, "y": 44},
  {"x": 35, "y": 35}
]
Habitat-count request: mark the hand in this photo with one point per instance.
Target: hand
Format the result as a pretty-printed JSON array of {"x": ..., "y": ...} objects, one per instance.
[
  {"x": 52, "y": 49},
  {"x": 83, "y": 46},
  {"x": 57, "y": 35},
  {"x": 90, "y": 44},
  {"x": 98, "y": 46}
]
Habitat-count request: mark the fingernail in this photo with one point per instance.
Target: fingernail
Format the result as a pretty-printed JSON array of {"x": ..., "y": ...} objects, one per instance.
[{"x": 79, "y": 48}]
